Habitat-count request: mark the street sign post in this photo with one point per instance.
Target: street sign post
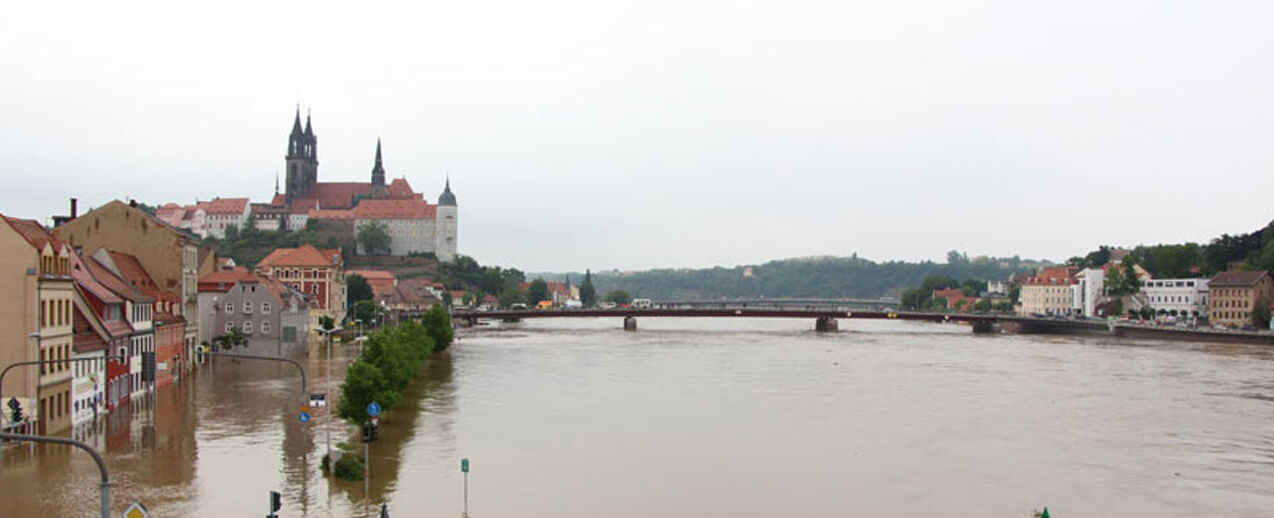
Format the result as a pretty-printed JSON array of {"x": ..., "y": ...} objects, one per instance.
[
  {"x": 373, "y": 409},
  {"x": 464, "y": 468},
  {"x": 304, "y": 417}
]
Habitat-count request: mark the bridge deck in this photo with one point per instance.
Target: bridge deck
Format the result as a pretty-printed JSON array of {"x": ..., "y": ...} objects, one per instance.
[{"x": 726, "y": 313}]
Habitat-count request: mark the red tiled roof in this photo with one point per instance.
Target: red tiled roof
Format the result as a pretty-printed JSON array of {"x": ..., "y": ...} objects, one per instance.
[
  {"x": 134, "y": 273},
  {"x": 33, "y": 232},
  {"x": 1237, "y": 278},
  {"x": 395, "y": 209},
  {"x": 86, "y": 337},
  {"x": 400, "y": 189},
  {"x": 227, "y": 205},
  {"x": 117, "y": 285},
  {"x": 339, "y": 195},
  {"x": 1060, "y": 276},
  {"x": 221, "y": 281},
  {"x": 305, "y": 255},
  {"x": 85, "y": 280}
]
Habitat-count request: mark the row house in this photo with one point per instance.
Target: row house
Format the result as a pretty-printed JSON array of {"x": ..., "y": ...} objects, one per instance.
[
  {"x": 36, "y": 324},
  {"x": 274, "y": 318},
  {"x": 1233, "y": 296},
  {"x": 1049, "y": 292},
  {"x": 168, "y": 325},
  {"x": 318, "y": 273},
  {"x": 101, "y": 307},
  {"x": 138, "y": 312},
  {"x": 173, "y": 258},
  {"x": 88, "y": 383}
]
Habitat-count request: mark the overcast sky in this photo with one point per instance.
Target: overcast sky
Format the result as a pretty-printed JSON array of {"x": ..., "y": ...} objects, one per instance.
[{"x": 632, "y": 135}]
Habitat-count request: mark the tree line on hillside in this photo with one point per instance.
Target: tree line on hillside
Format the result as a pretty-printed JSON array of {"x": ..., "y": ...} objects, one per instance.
[
  {"x": 815, "y": 277},
  {"x": 248, "y": 245}
]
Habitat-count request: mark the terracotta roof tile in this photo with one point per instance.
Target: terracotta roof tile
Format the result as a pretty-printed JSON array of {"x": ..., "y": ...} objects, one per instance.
[
  {"x": 305, "y": 255},
  {"x": 227, "y": 206},
  {"x": 339, "y": 195},
  {"x": 395, "y": 209},
  {"x": 117, "y": 285},
  {"x": 33, "y": 232}
]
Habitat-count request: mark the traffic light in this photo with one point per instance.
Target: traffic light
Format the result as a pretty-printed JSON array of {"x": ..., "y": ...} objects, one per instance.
[
  {"x": 276, "y": 502},
  {"x": 367, "y": 432},
  {"x": 16, "y": 407},
  {"x": 375, "y": 430}
]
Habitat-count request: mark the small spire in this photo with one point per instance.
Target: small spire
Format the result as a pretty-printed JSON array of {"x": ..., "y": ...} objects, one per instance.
[
  {"x": 276, "y": 184},
  {"x": 296, "y": 123},
  {"x": 309, "y": 130},
  {"x": 378, "y": 152}
]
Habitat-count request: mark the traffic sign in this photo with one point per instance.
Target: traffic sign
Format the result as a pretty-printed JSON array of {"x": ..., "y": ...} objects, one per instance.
[
  {"x": 318, "y": 399},
  {"x": 137, "y": 510},
  {"x": 464, "y": 465},
  {"x": 373, "y": 409},
  {"x": 304, "y": 417}
]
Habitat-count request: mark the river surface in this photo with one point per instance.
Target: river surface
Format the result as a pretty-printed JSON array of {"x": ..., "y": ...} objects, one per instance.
[{"x": 720, "y": 417}]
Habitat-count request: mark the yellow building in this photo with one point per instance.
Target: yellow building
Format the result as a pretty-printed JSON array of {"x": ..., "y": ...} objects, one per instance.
[
  {"x": 1048, "y": 293},
  {"x": 1233, "y": 295},
  {"x": 36, "y": 315}
]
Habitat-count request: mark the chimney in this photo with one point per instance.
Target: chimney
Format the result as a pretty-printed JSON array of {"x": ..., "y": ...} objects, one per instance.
[
  {"x": 73, "y": 212},
  {"x": 132, "y": 203}
]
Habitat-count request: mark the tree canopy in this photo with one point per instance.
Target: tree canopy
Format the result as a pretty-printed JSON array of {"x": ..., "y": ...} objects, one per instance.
[
  {"x": 537, "y": 291},
  {"x": 357, "y": 289},
  {"x": 374, "y": 237}
]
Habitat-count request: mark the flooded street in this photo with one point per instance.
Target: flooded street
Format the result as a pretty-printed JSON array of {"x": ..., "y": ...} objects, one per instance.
[{"x": 713, "y": 417}]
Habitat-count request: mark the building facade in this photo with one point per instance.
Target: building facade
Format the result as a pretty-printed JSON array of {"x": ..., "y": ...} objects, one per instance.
[
  {"x": 1184, "y": 297},
  {"x": 1048, "y": 293},
  {"x": 274, "y": 318},
  {"x": 36, "y": 320},
  {"x": 317, "y": 273},
  {"x": 1086, "y": 293},
  {"x": 174, "y": 259},
  {"x": 1233, "y": 296}
]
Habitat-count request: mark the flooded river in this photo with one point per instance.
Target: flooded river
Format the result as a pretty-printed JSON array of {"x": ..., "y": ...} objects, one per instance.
[{"x": 691, "y": 418}]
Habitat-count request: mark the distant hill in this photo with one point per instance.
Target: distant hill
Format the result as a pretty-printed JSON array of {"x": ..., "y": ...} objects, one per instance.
[{"x": 813, "y": 277}]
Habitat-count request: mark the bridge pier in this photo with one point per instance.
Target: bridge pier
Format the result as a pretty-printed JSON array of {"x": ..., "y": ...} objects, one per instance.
[
  {"x": 826, "y": 324},
  {"x": 983, "y": 327},
  {"x": 630, "y": 323}
]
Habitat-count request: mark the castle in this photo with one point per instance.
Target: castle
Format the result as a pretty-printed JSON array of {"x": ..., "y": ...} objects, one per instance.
[{"x": 338, "y": 209}]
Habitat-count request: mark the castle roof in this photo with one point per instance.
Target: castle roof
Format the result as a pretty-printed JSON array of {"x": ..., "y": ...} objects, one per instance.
[
  {"x": 395, "y": 209},
  {"x": 338, "y": 195},
  {"x": 447, "y": 198}
]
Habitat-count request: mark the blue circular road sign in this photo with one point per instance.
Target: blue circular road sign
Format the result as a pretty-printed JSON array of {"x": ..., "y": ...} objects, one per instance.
[
  {"x": 373, "y": 409},
  {"x": 304, "y": 417}
]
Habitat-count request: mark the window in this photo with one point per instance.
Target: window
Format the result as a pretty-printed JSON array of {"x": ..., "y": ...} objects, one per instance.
[
  {"x": 229, "y": 326},
  {"x": 247, "y": 327},
  {"x": 229, "y": 307},
  {"x": 247, "y": 307},
  {"x": 265, "y": 327},
  {"x": 265, "y": 308}
]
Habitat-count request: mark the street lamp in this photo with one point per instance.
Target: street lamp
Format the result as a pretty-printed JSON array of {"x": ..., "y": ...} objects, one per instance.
[
  {"x": 359, "y": 321},
  {"x": 327, "y": 387}
]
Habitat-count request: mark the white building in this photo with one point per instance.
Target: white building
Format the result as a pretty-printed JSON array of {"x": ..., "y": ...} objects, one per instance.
[
  {"x": 1090, "y": 285},
  {"x": 223, "y": 213},
  {"x": 1185, "y": 296}
]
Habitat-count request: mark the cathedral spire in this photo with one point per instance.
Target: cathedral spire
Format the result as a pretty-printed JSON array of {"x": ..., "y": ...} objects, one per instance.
[
  {"x": 296, "y": 123},
  {"x": 309, "y": 130},
  {"x": 378, "y": 176},
  {"x": 276, "y": 184}
]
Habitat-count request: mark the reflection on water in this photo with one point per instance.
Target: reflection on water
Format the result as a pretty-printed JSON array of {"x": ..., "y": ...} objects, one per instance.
[{"x": 711, "y": 418}]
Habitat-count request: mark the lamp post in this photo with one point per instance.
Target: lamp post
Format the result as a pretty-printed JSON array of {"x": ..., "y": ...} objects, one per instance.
[{"x": 327, "y": 387}]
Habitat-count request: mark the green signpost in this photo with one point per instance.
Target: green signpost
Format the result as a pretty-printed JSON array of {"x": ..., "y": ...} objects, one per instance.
[{"x": 464, "y": 468}]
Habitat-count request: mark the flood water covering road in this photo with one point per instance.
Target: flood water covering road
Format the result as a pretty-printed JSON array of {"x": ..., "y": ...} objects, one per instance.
[{"x": 685, "y": 417}]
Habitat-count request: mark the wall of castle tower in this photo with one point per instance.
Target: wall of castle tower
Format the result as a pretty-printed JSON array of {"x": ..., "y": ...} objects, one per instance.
[
  {"x": 446, "y": 232},
  {"x": 406, "y": 235}
]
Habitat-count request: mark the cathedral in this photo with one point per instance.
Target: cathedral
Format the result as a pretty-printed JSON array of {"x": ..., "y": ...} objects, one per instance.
[{"x": 414, "y": 225}]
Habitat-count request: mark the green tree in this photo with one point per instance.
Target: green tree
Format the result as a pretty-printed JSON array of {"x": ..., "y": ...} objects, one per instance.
[
  {"x": 438, "y": 324},
  {"x": 357, "y": 289},
  {"x": 230, "y": 339},
  {"x": 537, "y": 291},
  {"x": 512, "y": 295},
  {"x": 983, "y": 306},
  {"x": 374, "y": 238},
  {"x": 588, "y": 293},
  {"x": 366, "y": 310},
  {"x": 363, "y": 384},
  {"x": 327, "y": 322},
  {"x": 1261, "y": 313},
  {"x": 619, "y": 297}
]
